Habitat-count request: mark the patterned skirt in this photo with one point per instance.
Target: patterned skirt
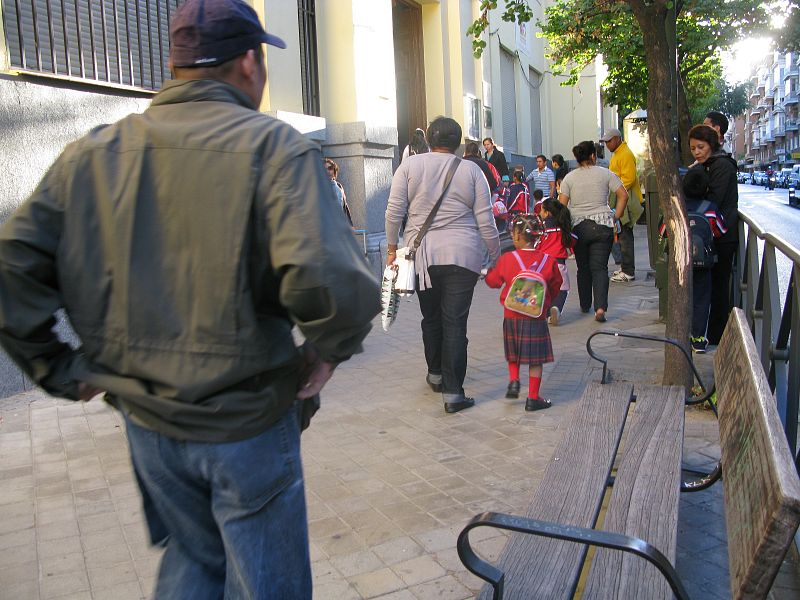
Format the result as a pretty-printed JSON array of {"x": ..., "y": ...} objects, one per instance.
[{"x": 527, "y": 341}]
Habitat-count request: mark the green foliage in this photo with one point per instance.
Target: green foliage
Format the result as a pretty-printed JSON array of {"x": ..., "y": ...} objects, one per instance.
[
  {"x": 515, "y": 11},
  {"x": 789, "y": 37},
  {"x": 578, "y": 31}
]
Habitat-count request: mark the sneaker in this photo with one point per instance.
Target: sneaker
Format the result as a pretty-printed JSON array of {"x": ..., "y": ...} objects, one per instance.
[
  {"x": 554, "y": 314},
  {"x": 617, "y": 272},
  {"x": 622, "y": 277},
  {"x": 699, "y": 345}
]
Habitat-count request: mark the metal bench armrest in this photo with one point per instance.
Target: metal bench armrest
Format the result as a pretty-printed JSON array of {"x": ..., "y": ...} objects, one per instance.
[{"x": 617, "y": 541}]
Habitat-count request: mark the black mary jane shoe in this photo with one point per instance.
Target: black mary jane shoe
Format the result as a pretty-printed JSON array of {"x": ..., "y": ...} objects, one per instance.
[
  {"x": 513, "y": 389},
  {"x": 532, "y": 404},
  {"x": 454, "y": 407}
]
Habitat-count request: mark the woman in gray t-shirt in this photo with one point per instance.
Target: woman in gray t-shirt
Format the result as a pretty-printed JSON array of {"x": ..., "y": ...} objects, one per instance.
[{"x": 585, "y": 190}]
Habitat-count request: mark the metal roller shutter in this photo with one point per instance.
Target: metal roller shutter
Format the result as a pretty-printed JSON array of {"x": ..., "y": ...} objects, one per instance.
[{"x": 509, "y": 101}]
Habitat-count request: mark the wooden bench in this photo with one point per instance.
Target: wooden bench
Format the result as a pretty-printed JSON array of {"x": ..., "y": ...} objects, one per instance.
[{"x": 546, "y": 556}]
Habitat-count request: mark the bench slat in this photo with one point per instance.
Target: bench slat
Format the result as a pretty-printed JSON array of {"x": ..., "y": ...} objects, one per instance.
[
  {"x": 571, "y": 493},
  {"x": 762, "y": 490},
  {"x": 644, "y": 499}
]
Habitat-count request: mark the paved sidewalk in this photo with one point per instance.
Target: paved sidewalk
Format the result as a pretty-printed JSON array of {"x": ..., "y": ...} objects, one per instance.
[{"x": 390, "y": 477}]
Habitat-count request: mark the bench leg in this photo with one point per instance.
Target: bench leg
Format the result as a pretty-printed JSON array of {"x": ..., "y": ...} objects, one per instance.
[{"x": 590, "y": 537}]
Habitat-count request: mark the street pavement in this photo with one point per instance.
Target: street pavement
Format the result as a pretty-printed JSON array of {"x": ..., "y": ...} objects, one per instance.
[{"x": 390, "y": 477}]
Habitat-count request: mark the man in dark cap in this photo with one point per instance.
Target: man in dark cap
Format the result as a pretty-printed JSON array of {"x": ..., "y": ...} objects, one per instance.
[{"x": 170, "y": 240}]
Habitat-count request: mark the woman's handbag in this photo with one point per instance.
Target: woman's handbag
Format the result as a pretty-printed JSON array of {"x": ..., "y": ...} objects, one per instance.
[{"x": 405, "y": 284}]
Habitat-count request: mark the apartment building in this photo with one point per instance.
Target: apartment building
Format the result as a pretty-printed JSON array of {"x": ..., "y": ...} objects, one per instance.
[{"x": 771, "y": 137}]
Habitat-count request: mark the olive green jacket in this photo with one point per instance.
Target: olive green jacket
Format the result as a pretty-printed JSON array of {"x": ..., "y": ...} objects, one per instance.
[{"x": 184, "y": 243}]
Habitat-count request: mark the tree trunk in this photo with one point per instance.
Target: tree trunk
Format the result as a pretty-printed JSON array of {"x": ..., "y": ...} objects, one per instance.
[
  {"x": 661, "y": 109},
  {"x": 684, "y": 123}
]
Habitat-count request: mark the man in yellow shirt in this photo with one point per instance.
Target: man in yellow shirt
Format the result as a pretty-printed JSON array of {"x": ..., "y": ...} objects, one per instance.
[{"x": 623, "y": 164}]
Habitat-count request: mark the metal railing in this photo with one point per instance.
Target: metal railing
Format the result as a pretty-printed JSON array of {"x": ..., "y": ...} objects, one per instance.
[{"x": 774, "y": 322}]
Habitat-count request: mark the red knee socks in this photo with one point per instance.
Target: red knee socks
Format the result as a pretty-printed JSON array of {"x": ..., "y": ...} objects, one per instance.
[
  {"x": 513, "y": 371},
  {"x": 533, "y": 387}
]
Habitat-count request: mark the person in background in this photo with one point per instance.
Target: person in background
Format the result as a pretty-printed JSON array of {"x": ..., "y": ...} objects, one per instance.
[
  {"x": 495, "y": 156},
  {"x": 561, "y": 169},
  {"x": 623, "y": 165},
  {"x": 719, "y": 123},
  {"x": 723, "y": 190},
  {"x": 543, "y": 177},
  {"x": 500, "y": 211},
  {"x": 417, "y": 145},
  {"x": 526, "y": 339},
  {"x": 557, "y": 241},
  {"x": 695, "y": 192},
  {"x": 332, "y": 169},
  {"x": 585, "y": 191},
  {"x": 519, "y": 196},
  {"x": 538, "y": 198},
  {"x": 184, "y": 244},
  {"x": 472, "y": 153},
  {"x": 450, "y": 257}
]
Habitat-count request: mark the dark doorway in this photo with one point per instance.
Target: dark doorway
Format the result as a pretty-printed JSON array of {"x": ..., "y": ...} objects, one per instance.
[{"x": 409, "y": 66}]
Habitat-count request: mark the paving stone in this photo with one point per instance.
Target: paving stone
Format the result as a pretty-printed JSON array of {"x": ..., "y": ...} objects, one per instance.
[
  {"x": 376, "y": 583},
  {"x": 357, "y": 563},
  {"x": 418, "y": 570}
]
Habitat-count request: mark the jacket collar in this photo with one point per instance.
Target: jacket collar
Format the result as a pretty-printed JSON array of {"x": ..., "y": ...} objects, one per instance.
[{"x": 178, "y": 91}]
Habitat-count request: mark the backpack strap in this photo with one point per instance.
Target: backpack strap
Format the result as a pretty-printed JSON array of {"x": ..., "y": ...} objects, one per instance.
[
  {"x": 522, "y": 264},
  {"x": 519, "y": 260}
]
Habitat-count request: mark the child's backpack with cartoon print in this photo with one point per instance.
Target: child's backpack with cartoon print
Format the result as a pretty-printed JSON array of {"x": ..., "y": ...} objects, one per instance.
[{"x": 527, "y": 293}]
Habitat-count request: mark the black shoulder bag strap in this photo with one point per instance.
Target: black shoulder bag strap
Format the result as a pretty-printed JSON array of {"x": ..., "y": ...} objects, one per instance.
[{"x": 427, "y": 225}]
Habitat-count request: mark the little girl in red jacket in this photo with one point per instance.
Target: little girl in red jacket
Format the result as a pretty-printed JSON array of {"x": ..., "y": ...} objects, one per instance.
[
  {"x": 557, "y": 241},
  {"x": 526, "y": 339}
]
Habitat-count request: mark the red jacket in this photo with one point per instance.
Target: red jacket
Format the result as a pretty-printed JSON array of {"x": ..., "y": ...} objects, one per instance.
[
  {"x": 552, "y": 242},
  {"x": 507, "y": 268}
]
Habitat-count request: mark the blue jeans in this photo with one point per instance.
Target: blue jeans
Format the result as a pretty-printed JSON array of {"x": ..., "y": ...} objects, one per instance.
[
  {"x": 233, "y": 513},
  {"x": 591, "y": 257},
  {"x": 445, "y": 310}
]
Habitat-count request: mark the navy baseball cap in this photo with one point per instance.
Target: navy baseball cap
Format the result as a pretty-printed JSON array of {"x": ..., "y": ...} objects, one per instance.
[{"x": 204, "y": 33}]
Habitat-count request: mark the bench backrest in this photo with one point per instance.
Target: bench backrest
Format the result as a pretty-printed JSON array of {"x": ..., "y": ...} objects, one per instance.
[{"x": 762, "y": 489}]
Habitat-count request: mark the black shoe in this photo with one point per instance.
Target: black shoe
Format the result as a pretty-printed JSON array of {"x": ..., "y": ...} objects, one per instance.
[
  {"x": 436, "y": 387},
  {"x": 513, "y": 389},
  {"x": 532, "y": 404},
  {"x": 454, "y": 407}
]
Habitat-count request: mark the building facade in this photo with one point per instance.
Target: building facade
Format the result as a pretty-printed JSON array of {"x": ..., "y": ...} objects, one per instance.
[
  {"x": 358, "y": 76},
  {"x": 771, "y": 137}
]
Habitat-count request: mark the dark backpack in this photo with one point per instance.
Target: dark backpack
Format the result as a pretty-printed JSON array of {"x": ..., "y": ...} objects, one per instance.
[{"x": 704, "y": 253}]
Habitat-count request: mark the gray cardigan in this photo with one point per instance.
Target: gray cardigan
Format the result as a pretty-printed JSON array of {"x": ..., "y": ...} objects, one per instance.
[{"x": 464, "y": 223}]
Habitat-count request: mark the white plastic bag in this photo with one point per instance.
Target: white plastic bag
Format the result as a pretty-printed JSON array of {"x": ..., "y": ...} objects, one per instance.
[{"x": 406, "y": 281}]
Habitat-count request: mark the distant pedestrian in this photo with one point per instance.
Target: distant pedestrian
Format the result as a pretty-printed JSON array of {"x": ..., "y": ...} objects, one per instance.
[
  {"x": 472, "y": 153},
  {"x": 538, "y": 198},
  {"x": 585, "y": 191},
  {"x": 417, "y": 145},
  {"x": 495, "y": 156},
  {"x": 526, "y": 338},
  {"x": 332, "y": 169},
  {"x": 543, "y": 178},
  {"x": 184, "y": 260},
  {"x": 558, "y": 241},
  {"x": 500, "y": 201},
  {"x": 561, "y": 169},
  {"x": 623, "y": 165},
  {"x": 519, "y": 196},
  {"x": 723, "y": 189}
]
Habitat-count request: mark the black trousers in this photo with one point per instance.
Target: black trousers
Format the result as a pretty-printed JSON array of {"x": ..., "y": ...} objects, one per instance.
[
  {"x": 591, "y": 257},
  {"x": 445, "y": 310},
  {"x": 721, "y": 290}
]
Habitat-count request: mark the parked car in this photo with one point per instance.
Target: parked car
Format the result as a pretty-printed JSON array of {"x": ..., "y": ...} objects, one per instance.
[
  {"x": 782, "y": 178},
  {"x": 758, "y": 178},
  {"x": 743, "y": 177},
  {"x": 794, "y": 187}
]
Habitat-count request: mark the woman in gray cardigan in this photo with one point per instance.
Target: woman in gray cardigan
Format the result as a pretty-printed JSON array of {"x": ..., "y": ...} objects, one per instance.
[{"x": 450, "y": 256}]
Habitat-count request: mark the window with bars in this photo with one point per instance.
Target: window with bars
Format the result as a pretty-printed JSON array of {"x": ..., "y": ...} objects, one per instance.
[
  {"x": 124, "y": 42},
  {"x": 309, "y": 72}
]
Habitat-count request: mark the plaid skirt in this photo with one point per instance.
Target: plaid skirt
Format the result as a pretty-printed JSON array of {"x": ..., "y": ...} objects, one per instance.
[{"x": 527, "y": 341}]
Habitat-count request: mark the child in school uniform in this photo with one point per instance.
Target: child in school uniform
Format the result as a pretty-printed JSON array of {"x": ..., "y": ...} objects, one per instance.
[
  {"x": 557, "y": 241},
  {"x": 526, "y": 339},
  {"x": 519, "y": 196}
]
